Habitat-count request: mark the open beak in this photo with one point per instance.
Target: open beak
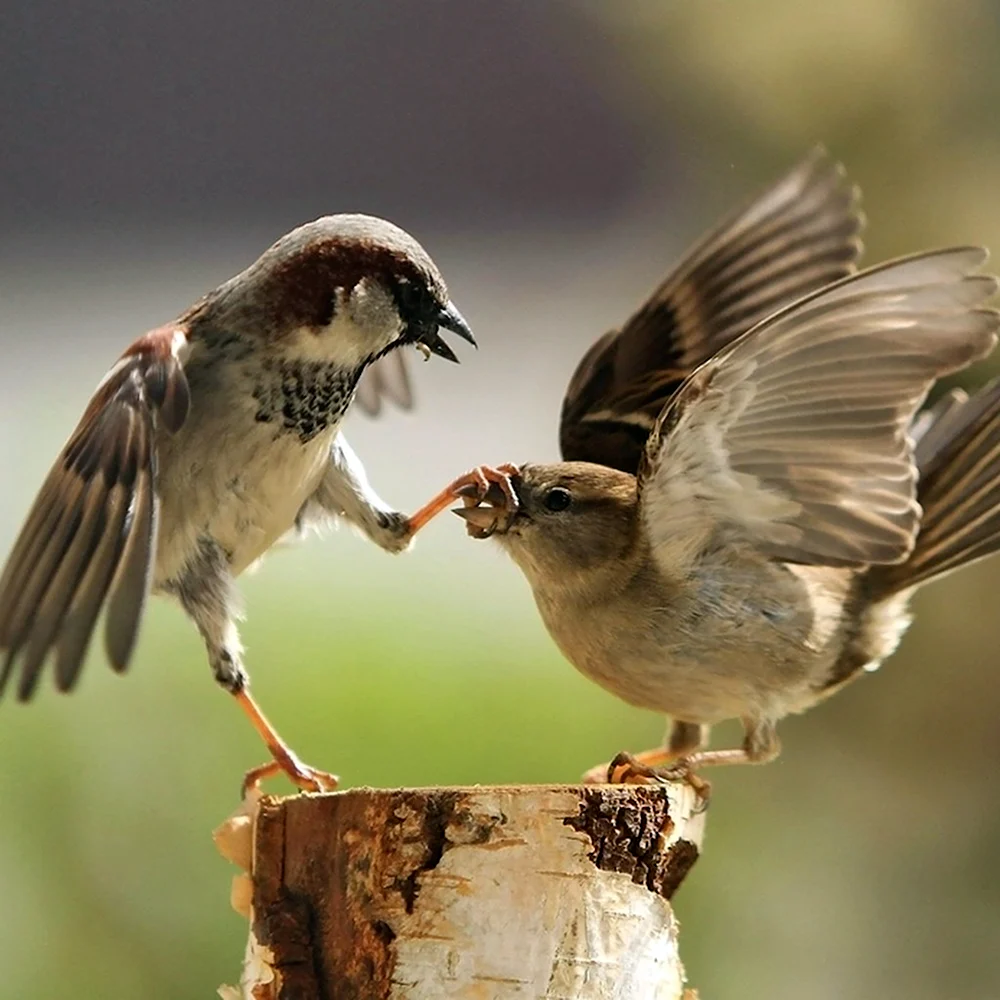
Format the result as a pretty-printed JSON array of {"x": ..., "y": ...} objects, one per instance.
[{"x": 449, "y": 318}]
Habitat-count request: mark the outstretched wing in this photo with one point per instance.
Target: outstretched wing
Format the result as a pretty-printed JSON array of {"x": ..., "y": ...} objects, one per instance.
[
  {"x": 799, "y": 235},
  {"x": 89, "y": 540},
  {"x": 795, "y": 441}
]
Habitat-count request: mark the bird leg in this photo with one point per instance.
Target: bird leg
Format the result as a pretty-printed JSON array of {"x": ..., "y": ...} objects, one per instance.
[
  {"x": 205, "y": 590},
  {"x": 474, "y": 484},
  {"x": 286, "y": 761},
  {"x": 760, "y": 745},
  {"x": 231, "y": 675}
]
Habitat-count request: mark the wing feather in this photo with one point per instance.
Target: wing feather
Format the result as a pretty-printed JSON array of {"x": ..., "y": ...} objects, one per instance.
[
  {"x": 89, "y": 539},
  {"x": 799, "y": 235},
  {"x": 796, "y": 439},
  {"x": 386, "y": 378}
]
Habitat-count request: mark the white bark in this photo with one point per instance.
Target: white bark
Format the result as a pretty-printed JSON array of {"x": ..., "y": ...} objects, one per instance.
[{"x": 470, "y": 894}]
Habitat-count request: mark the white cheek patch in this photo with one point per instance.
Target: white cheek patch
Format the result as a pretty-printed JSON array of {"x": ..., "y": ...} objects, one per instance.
[
  {"x": 365, "y": 321},
  {"x": 372, "y": 310}
]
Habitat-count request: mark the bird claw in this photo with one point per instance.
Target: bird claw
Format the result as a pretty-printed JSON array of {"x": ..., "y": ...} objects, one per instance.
[
  {"x": 489, "y": 484},
  {"x": 493, "y": 487},
  {"x": 473, "y": 488},
  {"x": 626, "y": 770},
  {"x": 303, "y": 776}
]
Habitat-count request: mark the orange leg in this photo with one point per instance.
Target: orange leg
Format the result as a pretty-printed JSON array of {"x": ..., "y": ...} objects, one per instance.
[
  {"x": 474, "y": 483},
  {"x": 679, "y": 760},
  {"x": 307, "y": 778}
]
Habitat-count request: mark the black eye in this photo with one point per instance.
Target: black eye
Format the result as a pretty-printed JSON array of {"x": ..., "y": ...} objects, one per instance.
[
  {"x": 557, "y": 499},
  {"x": 413, "y": 300}
]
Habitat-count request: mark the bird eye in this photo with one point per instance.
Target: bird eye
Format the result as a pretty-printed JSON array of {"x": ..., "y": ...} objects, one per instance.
[{"x": 557, "y": 499}]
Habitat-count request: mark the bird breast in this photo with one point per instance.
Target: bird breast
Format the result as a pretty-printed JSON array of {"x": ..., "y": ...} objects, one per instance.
[
  {"x": 727, "y": 642},
  {"x": 251, "y": 453}
]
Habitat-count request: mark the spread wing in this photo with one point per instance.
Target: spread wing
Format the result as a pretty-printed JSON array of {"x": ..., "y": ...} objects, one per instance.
[
  {"x": 386, "y": 378},
  {"x": 799, "y": 235},
  {"x": 89, "y": 540},
  {"x": 795, "y": 441}
]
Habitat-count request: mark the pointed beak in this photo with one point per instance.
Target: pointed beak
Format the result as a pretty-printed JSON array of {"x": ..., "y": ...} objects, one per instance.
[
  {"x": 449, "y": 318},
  {"x": 481, "y": 521}
]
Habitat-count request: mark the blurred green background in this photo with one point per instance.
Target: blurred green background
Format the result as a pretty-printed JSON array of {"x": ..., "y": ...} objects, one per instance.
[{"x": 555, "y": 159}]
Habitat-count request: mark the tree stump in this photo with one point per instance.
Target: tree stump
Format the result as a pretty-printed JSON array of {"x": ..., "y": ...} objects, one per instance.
[{"x": 480, "y": 893}]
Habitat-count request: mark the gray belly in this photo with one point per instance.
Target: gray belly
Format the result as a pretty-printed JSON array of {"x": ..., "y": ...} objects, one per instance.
[{"x": 241, "y": 490}]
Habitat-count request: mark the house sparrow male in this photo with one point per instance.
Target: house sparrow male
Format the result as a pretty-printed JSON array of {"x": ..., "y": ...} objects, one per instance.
[
  {"x": 741, "y": 520},
  {"x": 209, "y": 439}
]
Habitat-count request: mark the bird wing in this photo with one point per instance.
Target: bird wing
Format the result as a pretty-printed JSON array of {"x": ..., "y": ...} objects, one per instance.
[
  {"x": 795, "y": 440},
  {"x": 386, "y": 378},
  {"x": 799, "y": 235},
  {"x": 89, "y": 540}
]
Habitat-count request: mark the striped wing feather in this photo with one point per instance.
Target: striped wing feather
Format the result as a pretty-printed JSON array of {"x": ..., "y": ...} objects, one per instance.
[
  {"x": 799, "y": 235},
  {"x": 796, "y": 440},
  {"x": 89, "y": 540}
]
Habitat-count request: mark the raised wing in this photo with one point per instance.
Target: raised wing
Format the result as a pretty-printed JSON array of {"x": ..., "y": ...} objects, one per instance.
[
  {"x": 795, "y": 441},
  {"x": 386, "y": 378},
  {"x": 89, "y": 540},
  {"x": 799, "y": 235}
]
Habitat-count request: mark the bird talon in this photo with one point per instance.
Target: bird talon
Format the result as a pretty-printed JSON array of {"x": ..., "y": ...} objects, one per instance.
[
  {"x": 481, "y": 484},
  {"x": 304, "y": 777},
  {"x": 626, "y": 770}
]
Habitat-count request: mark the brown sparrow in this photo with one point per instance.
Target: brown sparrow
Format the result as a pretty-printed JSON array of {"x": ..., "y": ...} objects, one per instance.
[
  {"x": 739, "y": 537},
  {"x": 212, "y": 437}
]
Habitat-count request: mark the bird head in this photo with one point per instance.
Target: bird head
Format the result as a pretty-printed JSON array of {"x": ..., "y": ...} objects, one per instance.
[
  {"x": 345, "y": 289},
  {"x": 562, "y": 520}
]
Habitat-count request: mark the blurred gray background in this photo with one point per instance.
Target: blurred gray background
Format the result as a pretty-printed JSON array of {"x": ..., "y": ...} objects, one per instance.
[{"x": 555, "y": 158}]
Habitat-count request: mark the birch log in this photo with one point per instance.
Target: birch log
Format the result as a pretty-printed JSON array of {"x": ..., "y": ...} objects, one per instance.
[{"x": 481, "y": 893}]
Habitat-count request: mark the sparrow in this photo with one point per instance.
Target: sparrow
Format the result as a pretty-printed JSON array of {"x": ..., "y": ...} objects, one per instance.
[
  {"x": 212, "y": 438},
  {"x": 742, "y": 517}
]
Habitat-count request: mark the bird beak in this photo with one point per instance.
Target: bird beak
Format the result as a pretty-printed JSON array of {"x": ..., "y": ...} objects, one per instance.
[
  {"x": 481, "y": 521},
  {"x": 449, "y": 318}
]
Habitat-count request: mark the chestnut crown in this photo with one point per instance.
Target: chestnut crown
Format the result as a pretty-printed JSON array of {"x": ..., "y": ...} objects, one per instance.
[{"x": 358, "y": 265}]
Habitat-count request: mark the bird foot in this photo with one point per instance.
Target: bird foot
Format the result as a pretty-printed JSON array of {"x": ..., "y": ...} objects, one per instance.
[
  {"x": 472, "y": 488},
  {"x": 493, "y": 487},
  {"x": 304, "y": 777},
  {"x": 627, "y": 770}
]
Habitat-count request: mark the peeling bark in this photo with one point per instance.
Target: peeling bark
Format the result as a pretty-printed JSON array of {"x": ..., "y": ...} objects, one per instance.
[{"x": 472, "y": 893}]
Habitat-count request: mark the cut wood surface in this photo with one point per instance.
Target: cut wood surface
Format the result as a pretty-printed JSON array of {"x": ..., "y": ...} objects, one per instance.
[{"x": 480, "y": 893}]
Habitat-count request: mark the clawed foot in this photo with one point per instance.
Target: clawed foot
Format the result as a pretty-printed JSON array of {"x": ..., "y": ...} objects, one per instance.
[
  {"x": 625, "y": 769},
  {"x": 483, "y": 483},
  {"x": 495, "y": 488},
  {"x": 304, "y": 777}
]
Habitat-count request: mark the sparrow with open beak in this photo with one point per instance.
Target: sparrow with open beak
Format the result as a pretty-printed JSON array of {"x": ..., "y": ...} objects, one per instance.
[
  {"x": 212, "y": 437},
  {"x": 741, "y": 520}
]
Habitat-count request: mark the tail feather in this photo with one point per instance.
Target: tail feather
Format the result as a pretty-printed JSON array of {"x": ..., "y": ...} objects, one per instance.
[{"x": 958, "y": 455}]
